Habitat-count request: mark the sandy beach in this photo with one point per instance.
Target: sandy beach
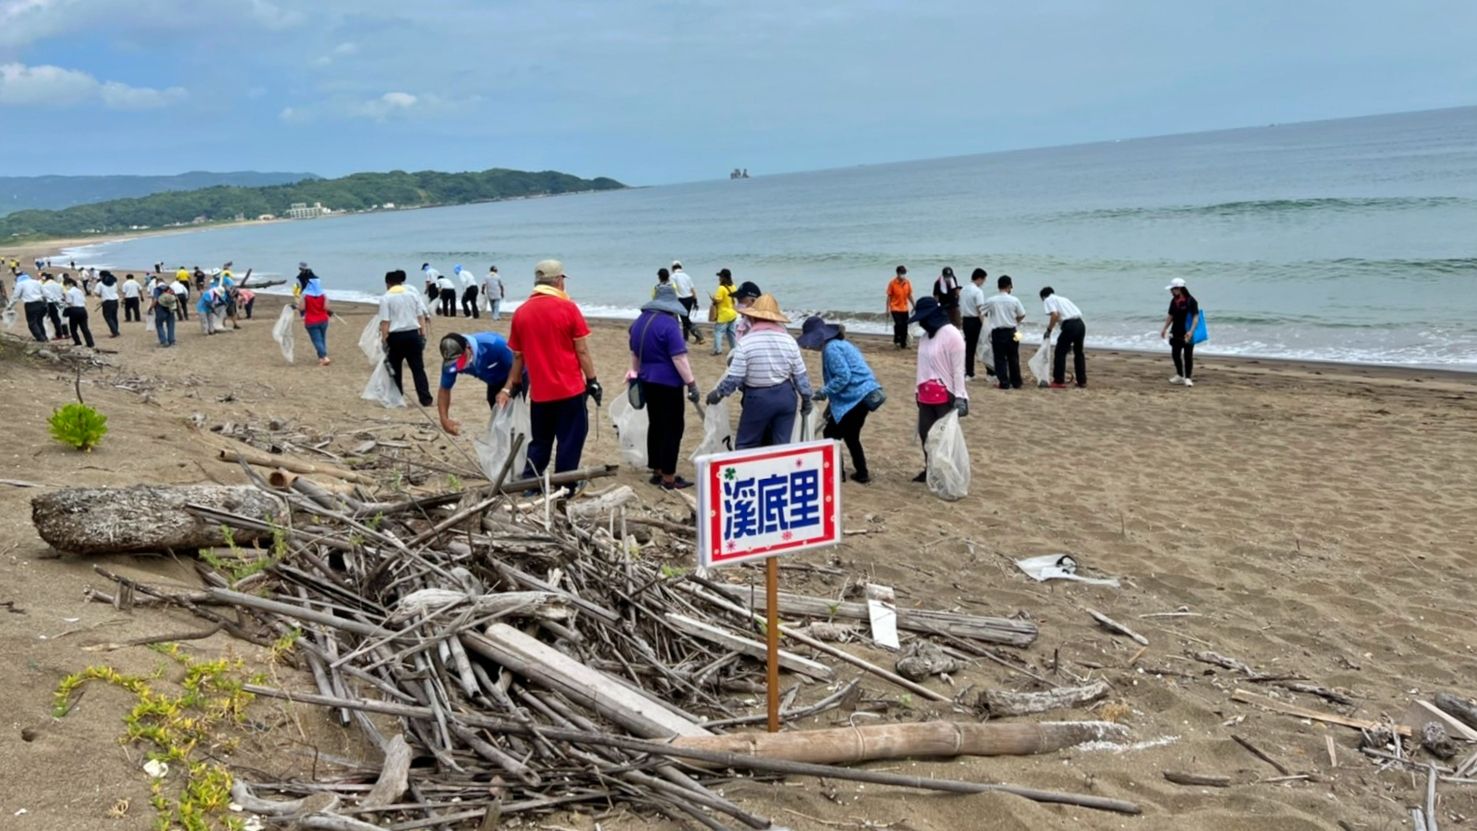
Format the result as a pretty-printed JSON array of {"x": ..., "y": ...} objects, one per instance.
[{"x": 1306, "y": 519}]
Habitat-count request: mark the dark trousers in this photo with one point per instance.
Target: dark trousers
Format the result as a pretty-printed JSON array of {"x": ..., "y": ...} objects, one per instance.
[
  {"x": 849, "y": 431},
  {"x": 928, "y": 415},
  {"x": 469, "y": 302},
  {"x": 900, "y": 329},
  {"x": 77, "y": 322},
  {"x": 182, "y": 311},
  {"x": 768, "y": 416},
  {"x": 448, "y": 303},
  {"x": 565, "y": 423},
  {"x": 973, "y": 327},
  {"x": 1184, "y": 355},
  {"x": 1073, "y": 333},
  {"x": 53, "y": 311},
  {"x": 689, "y": 332},
  {"x": 130, "y": 310},
  {"x": 664, "y": 413},
  {"x": 110, "y": 316},
  {"x": 36, "y": 319},
  {"x": 1007, "y": 357},
  {"x": 407, "y": 348},
  {"x": 246, "y": 307}
]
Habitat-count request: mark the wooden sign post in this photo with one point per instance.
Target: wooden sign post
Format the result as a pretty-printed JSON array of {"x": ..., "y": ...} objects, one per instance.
[{"x": 762, "y": 503}]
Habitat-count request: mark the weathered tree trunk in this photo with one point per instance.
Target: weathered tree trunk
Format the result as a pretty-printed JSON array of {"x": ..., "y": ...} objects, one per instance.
[
  {"x": 1463, "y": 709},
  {"x": 933, "y": 739},
  {"x": 146, "y": 517},
  {"x": 1000, "y": 703}
]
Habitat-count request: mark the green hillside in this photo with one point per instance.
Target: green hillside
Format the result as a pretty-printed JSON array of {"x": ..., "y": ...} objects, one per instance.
[{"x": 357, "y": 192}]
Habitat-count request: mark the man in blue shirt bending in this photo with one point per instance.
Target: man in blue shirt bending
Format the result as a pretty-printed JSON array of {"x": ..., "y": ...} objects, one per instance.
[{"x": 485, "y": 356}]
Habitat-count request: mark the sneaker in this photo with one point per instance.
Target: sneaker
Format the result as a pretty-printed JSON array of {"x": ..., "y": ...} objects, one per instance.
[
  {"x": 862, "y": 478},
  {"x": 676, "y": 484},
  {"x": 922, "y": 477},
  {"x": 1058, "y": 385},
  {"x": 1189, "y": 383},
  {"x": 1176, "y": 379},
  {"x": 656, "y": 479}
]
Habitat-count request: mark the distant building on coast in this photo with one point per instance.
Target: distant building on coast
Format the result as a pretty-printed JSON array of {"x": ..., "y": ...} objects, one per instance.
[{"x": 301, "y": 210}]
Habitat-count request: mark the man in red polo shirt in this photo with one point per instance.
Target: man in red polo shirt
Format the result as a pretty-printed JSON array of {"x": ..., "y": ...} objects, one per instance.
[{"x": 548, "y": 339}]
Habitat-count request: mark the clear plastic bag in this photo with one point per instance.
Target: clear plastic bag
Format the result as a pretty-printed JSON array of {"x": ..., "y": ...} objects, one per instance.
[
  {"x": 807, "y": 428},
  {"x": 1040, "y": 364},
  {"x": 521, "y": 425},
  {"x": 717, "y": 431},
  {"x": 369, "y": 341},
  {"x": 493, "y": 445},
  {"x": 630, "y": 428},
  {"x": 948, "y": 459},
  {"x": 381, "y": 386},
  {"x": 986, "y": 359},
  {"x": 282, "y": 331},
  {"x": 9, "y": 318}
]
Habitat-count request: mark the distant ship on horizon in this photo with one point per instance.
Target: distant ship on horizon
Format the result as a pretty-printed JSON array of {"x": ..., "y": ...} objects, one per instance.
[{"x": 739, "y": 173}]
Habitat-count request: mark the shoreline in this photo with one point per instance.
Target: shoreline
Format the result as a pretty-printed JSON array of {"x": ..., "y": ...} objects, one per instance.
[{"x": 53, "y": 249}]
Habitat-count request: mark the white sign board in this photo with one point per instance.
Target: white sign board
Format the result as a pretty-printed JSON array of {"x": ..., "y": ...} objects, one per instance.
[{"x": 767, "y": 501}]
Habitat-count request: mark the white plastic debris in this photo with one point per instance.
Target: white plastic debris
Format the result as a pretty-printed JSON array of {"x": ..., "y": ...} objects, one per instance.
[
  {"x": 156, "y": 769},
  {"x": 1059, "y": 567},
  {"x": 882, "y": 610}
]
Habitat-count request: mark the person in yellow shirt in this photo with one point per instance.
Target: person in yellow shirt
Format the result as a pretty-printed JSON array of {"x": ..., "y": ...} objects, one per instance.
[{"x": 724, "y": 313}]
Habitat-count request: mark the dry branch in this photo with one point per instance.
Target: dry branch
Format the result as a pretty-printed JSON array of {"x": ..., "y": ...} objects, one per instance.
[{"x": 926, "y": 740}]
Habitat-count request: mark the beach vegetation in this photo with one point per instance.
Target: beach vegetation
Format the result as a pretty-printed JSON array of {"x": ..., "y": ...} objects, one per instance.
[{"x": 78, "y": 425}]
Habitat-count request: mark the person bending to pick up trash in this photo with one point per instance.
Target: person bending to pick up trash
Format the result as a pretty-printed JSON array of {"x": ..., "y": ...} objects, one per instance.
[
  {"x": 1063, "y": 312},
  {"x": 768, "y": 367},
  {"x": 484, "y": 356},
  {"x": 849, "y": 384},
  {"x": 940, "y": 370},
  {"x": 549, "y": 339}
]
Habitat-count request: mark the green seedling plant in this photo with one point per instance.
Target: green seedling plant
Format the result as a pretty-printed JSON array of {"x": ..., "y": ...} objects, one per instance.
[{"x": 78, "y": 425}]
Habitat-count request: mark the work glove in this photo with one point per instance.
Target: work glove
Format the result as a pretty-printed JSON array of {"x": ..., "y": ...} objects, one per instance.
[
  {"x": 594, "y": 390},
  {"x": 819, "y": 395},
  {"x": 806, "y": 405},
  {"x": 693, "y": 394},
  {"x": 714, "y": 397},
  {"x": 961, "y": 405}
]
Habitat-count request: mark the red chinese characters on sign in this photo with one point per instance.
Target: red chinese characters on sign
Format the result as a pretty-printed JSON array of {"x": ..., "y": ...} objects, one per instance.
[{"x": 766, "y": 501}]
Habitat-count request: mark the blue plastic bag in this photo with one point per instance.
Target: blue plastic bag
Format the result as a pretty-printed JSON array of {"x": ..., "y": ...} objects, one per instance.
[{"x": 1200, "y": 334}]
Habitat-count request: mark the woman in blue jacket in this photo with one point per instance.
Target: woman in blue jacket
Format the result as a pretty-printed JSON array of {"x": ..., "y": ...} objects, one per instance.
[{"x": 849, "y": 384}]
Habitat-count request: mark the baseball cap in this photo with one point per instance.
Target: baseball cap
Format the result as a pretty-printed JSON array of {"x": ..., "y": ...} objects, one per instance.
[
  {"x": 452, "y": 347},
  {"x": 548, "y": 270},
  {"x": 723, "y": 272},
  {"x": 1176, "y": 283}
]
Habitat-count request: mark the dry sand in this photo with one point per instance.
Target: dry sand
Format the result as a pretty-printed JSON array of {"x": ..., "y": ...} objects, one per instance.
[{"x": 1317, "y": 520}]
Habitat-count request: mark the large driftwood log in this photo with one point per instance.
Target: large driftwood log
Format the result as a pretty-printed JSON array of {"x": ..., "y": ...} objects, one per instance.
[
  {"x": 932, "y": 739},
  {"x": 146, "y": 517},
  {"x": 1463, "y": 709},
  {"x": 1008, "y": 631},
  {"x": 1006, "y": 703}
]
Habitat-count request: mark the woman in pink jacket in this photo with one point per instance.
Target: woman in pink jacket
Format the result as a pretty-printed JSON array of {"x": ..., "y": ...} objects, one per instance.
[{"x": 940, "y": 370}]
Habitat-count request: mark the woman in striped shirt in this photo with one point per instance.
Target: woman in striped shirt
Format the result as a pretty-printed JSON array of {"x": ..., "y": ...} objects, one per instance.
[{"x": 768, "y": 367}]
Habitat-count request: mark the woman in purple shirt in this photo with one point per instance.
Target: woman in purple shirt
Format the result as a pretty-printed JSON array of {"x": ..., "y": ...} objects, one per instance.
[{"x": 659, "y": 361}]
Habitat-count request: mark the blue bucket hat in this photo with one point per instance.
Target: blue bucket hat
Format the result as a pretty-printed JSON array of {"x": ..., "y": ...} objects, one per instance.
[
  {"x": 664, "y": 299},
  {"x": 814, "y": 332},
  {"x": 926, "y": 308}
]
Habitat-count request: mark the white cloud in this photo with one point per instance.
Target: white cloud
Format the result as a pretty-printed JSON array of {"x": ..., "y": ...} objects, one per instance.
[
  {"x": 343, "y": 50},
  {"x": 55, "y": 86},
  {"x": 391, "y": 103}
]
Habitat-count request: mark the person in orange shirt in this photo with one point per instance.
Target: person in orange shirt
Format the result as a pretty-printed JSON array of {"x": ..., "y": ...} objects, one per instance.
[{"x": 899, "y": 305}]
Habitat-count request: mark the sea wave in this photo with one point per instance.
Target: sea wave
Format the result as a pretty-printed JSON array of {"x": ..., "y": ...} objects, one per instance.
[{"x": 1275, "y": 207}]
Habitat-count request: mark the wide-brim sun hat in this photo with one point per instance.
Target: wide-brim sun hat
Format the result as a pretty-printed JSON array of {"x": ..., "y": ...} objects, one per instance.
[
  {"x": 1176, "y": 283},
  {"x": 665, "y": 300},
  {"x": 814, "y": 332},
  {"x": 924, "y": 308},
  {"x": 765, "y": 308}
]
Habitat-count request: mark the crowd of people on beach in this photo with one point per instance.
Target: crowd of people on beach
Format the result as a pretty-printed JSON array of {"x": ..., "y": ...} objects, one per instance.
[{"x": 545, "y": 359}]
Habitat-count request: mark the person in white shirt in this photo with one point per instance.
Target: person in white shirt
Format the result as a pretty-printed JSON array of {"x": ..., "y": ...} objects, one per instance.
[
  {"x": 446, "y": 293},
  {"x": 1003, "y": 313},
  {"x": 182, "y": 293},
  {"x": 1064, "y": 313},
  {"x": 469, "y": 291},
  {"x": 971, "y": 310},
  {"x": 132, "y": 292},
  {"x": 687, "y": 296},
  {"x": 492, "y": 289},
  {"x": 76, "y": 311},
  {"x": 29, "y": 294},
  {"x": 404, "y": 321},
  {"x": 107, "y": 291},
  {"x": 54, "y": 302}
]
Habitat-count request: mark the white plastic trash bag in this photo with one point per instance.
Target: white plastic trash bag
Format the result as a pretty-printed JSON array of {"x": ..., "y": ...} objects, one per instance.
[
  {"x": 630, "y": 427},
  {"x": 807, "y": 428},
  {"x": 282, "y": 331},
  {"x": 1040, "y": 364},
  {"x": 521, "y": 426},
  {"x": 493, "y": 445},
  {"x": 9, "y": 318},
  {"x": 717, "y": 431},
  {"x": 986, "y": 357},
  {"x": 381, "y": 386},
  {"x": 948, "y": 459},
  {"x": 369, "y": 341}
]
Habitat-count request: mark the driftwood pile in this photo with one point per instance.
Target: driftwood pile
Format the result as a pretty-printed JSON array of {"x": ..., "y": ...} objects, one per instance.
[{"x": 515, "y": 654}]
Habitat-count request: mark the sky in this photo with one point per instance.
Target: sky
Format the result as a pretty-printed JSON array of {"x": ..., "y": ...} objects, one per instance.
[{"x": 652, "y": 91}]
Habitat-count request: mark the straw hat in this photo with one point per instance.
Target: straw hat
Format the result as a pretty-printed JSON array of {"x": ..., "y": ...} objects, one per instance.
[{"x": 765, "y": 308}]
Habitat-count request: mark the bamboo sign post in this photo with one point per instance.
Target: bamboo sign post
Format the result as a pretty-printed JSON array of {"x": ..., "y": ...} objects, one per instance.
[{"x": 762, "y": 503}]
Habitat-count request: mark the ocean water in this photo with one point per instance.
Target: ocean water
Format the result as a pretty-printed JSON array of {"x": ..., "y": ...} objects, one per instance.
[{"x": 1351, "y": 240}]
